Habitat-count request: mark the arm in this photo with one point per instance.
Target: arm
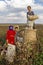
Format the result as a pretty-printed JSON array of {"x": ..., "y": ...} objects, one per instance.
[{"x": 27, "y": 16}]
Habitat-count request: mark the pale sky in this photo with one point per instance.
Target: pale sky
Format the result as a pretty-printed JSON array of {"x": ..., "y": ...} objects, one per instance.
[{"x": 14, "y": 11}]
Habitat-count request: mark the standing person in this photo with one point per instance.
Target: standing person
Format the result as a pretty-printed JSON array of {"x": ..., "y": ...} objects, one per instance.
[
  {"x": 10, "y": 38},
  {"x": 30, "y": 13},
  {"x": 17, "y": 32}
]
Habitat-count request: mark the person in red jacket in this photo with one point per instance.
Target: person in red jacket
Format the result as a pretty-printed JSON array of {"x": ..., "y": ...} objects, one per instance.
[{"x": 10, "y": 38}]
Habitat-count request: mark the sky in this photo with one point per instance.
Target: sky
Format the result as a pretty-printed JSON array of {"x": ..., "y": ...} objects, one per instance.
[{"x": 15, "y": 11}]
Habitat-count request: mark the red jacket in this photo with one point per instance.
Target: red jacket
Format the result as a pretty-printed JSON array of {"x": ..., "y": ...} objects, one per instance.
[{"x": 11, "y": 36}]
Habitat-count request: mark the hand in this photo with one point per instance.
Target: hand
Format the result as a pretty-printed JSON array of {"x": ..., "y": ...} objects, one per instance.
[{"x": 7, "y": 41}]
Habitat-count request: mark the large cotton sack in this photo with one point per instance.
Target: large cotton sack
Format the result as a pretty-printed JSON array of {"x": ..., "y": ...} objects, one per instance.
[{"x": 32, "y": 17}]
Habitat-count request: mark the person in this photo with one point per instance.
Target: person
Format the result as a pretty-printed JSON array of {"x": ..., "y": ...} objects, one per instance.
[
  {"x": 19, "y": 35},
  {"x": 10, "y": 39},
  {"x": 17, "y": 32},
  {"x": 30, "y": 13}
]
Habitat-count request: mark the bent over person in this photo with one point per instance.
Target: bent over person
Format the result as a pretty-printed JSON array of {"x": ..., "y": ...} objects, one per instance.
[{"x": 10, "y": 38}]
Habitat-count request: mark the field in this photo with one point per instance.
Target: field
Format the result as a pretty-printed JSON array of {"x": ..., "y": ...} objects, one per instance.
[{"x": 36, "y": 58}]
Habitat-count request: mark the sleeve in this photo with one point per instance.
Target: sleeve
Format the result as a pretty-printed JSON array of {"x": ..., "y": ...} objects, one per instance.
[
  {"x": 27, "y": 14},
  {"x": 32, "y": 13}
]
